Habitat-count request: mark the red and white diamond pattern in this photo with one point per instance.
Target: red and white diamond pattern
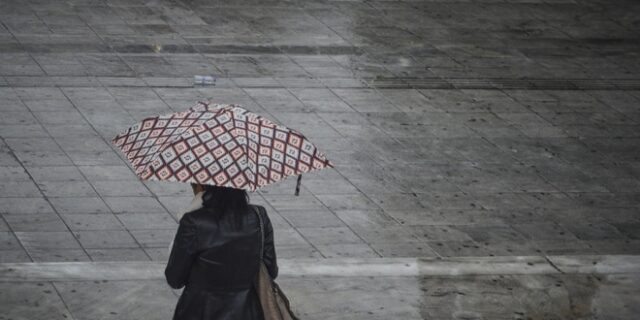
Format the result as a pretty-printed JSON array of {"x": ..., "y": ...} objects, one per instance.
[{"x": 216, "y": 144}]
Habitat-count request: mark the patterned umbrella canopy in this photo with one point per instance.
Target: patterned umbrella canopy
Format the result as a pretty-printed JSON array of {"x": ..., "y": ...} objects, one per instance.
[{"x": 223, "y": 145}]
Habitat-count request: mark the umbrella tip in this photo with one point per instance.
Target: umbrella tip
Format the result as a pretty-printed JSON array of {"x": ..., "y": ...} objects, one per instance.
[{"x": 298, "y": 185}]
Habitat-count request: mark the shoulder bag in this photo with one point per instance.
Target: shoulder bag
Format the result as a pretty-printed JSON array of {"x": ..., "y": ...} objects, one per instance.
[{"x": 275, "y": 305}]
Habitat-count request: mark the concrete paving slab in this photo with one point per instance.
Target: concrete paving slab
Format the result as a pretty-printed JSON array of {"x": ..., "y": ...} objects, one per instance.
[
  {"x": 84, "y": 205},
  {"x": 596, "y": 264},
  {"x": 122, "y": 254},
  {"x": 66, "y": 188},
  {"x": 330, "y": 235},
  {"x": 403, "y": 249},
  {"x": 35, "y": 222},
  {"x": 9, "y": 241},
  {"x": 38, "y": 240},
  {"x": 91, "y": 221},
  {"x": 18, "y": 255},
  {"x": 152, "y": 221},
  {"x": 33, "y": 300},
  {"x": 348, "y": 250},
  {"x": 83, "y": 299},
  {"x": 153, "y": 238},
  {"x": 57, "y": 173},
  {"x": 3, "y": 226},
  {"x": 21, "y": 205},
  {"x": 58, "y": 255},
  {"x": 133, "y": 204}
]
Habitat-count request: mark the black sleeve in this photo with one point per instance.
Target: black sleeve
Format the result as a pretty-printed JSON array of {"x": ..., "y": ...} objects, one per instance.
[
  {"x": 183, "y": 253},
  {"x": 269, "y": 254}
]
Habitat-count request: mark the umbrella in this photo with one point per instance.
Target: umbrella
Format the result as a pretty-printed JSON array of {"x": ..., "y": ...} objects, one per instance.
[{"x": 223, "y": 145}]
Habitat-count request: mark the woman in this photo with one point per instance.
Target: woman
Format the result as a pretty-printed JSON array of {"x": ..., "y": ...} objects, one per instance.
[{"x": 215, "y": 256}]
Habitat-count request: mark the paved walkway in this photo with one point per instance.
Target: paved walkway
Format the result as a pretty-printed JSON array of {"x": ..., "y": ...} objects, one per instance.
[
  {"x": 488, "y": 155},
  {"x": 558, "y": 287},
  {"x": 458, "y": 129}
]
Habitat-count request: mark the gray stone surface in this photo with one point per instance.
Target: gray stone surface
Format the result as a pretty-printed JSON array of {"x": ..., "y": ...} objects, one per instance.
[
  {"x": 415, "y": 126},
  {"x": 470, "y": 297},
  {"x": 32, "y": 301},
  {"x": 129, "y": 299},
  {"x": 557, "y": 287},
  {"x": 458, "y": 129}
]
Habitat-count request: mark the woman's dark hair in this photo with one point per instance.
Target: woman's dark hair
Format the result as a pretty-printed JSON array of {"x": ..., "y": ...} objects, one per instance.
[{"x": 223, "y": 201}]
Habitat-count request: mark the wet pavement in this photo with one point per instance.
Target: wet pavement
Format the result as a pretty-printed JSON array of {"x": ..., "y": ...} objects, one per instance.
[
  {"x": 558, "y": 287},
  {"x": 440, "y": 298},
  {"x": 458, "y": 130}
]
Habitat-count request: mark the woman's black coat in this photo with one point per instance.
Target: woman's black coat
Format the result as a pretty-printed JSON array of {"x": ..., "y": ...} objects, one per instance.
[{"x": 216, "y": 262}]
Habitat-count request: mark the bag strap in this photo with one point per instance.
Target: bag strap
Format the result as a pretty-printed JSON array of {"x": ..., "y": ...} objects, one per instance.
[{"x": 258, "y": 212}]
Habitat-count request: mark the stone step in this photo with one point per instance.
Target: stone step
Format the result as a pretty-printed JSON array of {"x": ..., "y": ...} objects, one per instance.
[{"x": 347, "y": 267}]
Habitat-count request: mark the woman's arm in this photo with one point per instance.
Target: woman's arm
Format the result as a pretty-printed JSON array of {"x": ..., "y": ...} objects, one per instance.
[
  {"x": 269, "y": 254},
  {"x": 182, "y": 254}
]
